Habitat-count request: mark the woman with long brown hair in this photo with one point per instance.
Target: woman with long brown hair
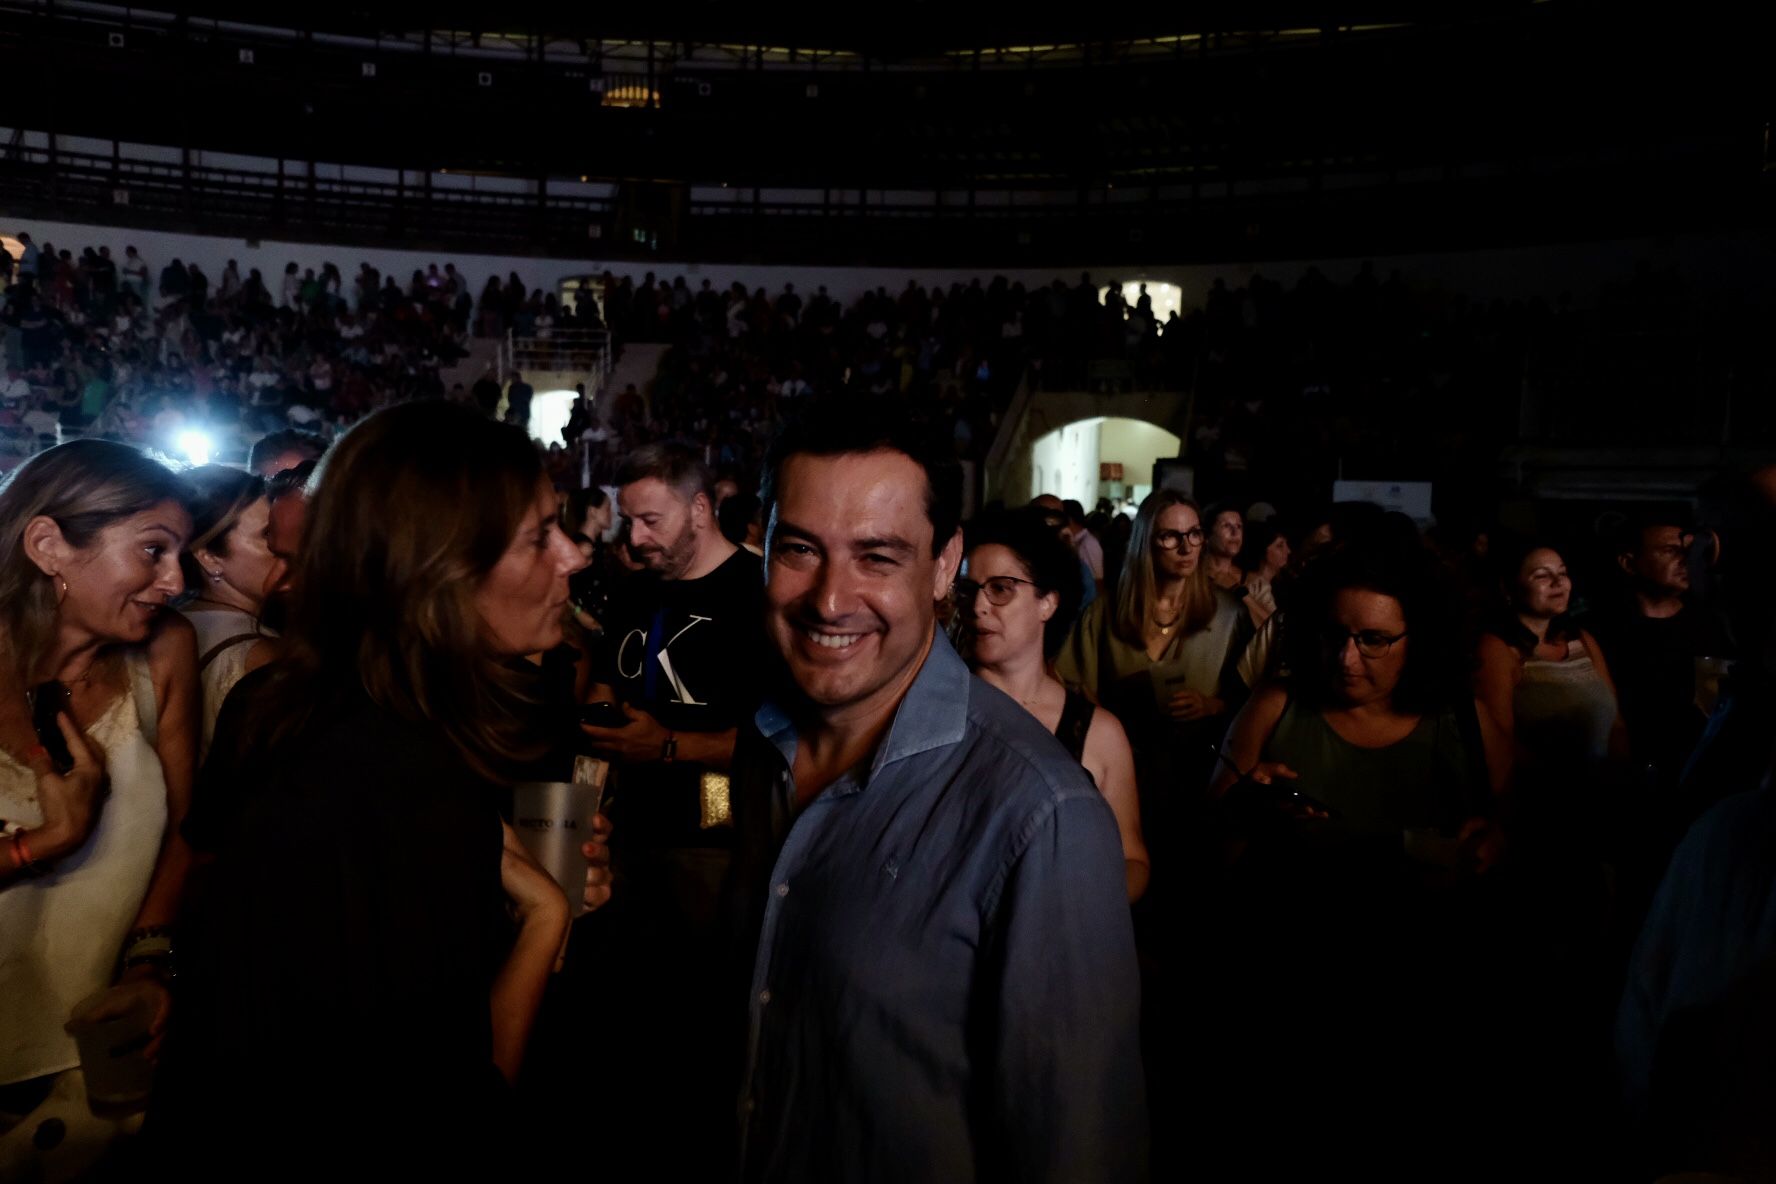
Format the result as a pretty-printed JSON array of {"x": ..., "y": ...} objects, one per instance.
[
  {"x": 230, "y": 569},
  {"x": 372, "y": 944},
  {"x": 97, "y": 741},
  {"x": 1159, "y": 655}
]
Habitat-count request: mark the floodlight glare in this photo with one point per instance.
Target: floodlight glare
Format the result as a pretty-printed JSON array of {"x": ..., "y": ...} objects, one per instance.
[{"x": 195, "y": 445}]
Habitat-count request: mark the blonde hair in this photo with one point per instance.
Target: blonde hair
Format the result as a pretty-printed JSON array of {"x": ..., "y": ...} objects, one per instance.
[
  {"x": 83, "y": 486},
  {"x": 1137, "y": 588}
]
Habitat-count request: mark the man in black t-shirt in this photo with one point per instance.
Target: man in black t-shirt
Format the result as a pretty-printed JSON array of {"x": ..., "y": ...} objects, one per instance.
[
  {"x": 684, "y": 652},
  {"x": 1652, "y": 642}
]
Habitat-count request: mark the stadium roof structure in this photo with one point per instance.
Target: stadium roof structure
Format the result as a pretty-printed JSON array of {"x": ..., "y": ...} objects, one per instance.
[{"x": 1537, "y": 116}]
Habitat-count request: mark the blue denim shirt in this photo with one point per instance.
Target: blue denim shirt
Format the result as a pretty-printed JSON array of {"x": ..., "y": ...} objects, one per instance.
[{"x": 944, "y": 986}]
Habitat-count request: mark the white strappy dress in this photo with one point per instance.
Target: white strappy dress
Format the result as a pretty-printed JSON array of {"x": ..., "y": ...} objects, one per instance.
[{"x": 61, "y": 934}]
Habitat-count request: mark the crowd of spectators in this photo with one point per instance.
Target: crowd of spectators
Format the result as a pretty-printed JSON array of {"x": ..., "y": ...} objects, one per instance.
[
  {"x": 1284, "y": 383},
  {"x": 1399, "y": 809},
  {"x": 113, "y": 348}
]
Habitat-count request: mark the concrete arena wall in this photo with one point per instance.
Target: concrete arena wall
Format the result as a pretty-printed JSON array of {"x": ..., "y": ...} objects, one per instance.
[{"x": 1529, "y": 271}]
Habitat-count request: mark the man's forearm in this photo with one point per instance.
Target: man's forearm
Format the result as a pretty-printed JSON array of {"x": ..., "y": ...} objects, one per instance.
[{"x": 714, "y": 749}]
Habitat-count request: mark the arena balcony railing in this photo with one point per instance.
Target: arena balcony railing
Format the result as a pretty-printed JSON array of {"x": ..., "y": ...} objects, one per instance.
[{"x": 585, "y": 352}]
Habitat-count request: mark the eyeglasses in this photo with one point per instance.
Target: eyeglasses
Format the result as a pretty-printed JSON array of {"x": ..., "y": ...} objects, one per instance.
[
  {"x": 1171, "y": 540},
  {"x": 1371, "y": 643},
  {"x": 999, "y": 589}
]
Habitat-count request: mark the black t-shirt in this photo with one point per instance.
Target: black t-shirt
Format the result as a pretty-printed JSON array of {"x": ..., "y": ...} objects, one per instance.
[
  {"x": 1653, "y": 663},
  {"x": 692, "y": 653}
]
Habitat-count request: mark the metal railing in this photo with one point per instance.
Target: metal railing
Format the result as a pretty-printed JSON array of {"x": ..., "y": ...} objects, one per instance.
[{"x": 575, "y": 351}]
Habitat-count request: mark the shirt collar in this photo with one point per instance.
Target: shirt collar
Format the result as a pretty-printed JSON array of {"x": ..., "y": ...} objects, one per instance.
[{"x": 933, "y": 714}]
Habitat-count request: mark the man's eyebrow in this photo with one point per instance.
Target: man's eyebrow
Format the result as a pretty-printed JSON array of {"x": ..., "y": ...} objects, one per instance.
[
  {"x": 873, "y": 543},
  {"x": 885, "y": 543}
]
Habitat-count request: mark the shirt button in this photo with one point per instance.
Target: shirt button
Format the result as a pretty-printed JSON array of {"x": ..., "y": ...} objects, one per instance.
[
  {"x": 782, "y": 890},
  {"x": 764, "y": 996}
]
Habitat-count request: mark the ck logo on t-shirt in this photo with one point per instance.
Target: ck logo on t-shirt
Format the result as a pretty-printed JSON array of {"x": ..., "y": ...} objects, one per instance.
[{"x": 680, "y": 693}]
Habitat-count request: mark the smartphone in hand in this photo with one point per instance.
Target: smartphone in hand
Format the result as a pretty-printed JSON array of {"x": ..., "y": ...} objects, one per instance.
[
  {"x": 48, "y": 701},
  {"x": 604, "y": 714}
]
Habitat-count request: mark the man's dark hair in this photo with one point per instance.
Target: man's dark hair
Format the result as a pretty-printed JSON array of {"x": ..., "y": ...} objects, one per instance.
[
  {"x": 1075, "y": 512},
  {"x": 835, "y": 426},
  {"x": 678, "y": 465},
  {"x": 738, "y": 511},
  {"x": 1626, "y": 533},
  {"x": 290, "y": 480},
  {"x": 287, "y": 440}
]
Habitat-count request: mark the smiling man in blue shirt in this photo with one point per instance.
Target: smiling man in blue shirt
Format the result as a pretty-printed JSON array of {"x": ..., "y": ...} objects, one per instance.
[{"x": 943, "y": 984}]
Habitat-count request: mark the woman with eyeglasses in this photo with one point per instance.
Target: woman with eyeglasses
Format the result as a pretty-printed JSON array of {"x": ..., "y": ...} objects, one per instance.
[
  {"x": 1156, "y": 652},
  {"x": 1351, "y": 930},
  {"x": 1019, "y": 591},
  {"x": 1160, "y": 656},
  {"x": 1375, "y": 722}
]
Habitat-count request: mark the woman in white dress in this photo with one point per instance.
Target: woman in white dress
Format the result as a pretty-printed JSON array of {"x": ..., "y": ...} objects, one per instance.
[
  {"x": 230, "y": 568},
  {"x": 90, "y": 536}
]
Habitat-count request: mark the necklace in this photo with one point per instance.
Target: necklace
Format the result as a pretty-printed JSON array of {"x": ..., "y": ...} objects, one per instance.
[{"x": 1165, "y": 627}]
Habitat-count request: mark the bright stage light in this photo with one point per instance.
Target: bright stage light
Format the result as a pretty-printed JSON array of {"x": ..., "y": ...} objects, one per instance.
[
  {"x": 195, "y": 445},
  {"x": 548, "y": 415}
]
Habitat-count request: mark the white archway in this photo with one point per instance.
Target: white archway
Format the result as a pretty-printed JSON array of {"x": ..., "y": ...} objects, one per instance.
[
  {"x": 1103, "y": 457},
  {"x": 1166, "y": 298}
]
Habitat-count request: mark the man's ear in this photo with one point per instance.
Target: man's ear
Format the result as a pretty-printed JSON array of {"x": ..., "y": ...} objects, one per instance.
[
  {"x": 949, "y": 562},
  {"x": 1625, "y": 561},
  {"x": 46, "y": 546}
]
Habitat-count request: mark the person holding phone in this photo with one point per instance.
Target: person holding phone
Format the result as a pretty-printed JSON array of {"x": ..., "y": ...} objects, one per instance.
[
  {"x": 98, "y": 720},
  {"x": 1376, "y": 717},
  {"x": 372, "y": 944},
  {"x": 680, "y": 665},
  {"x": 1357, "y": 903}
]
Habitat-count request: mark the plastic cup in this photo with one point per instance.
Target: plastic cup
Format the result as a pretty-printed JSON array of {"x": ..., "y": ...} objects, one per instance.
[
  {"x": 1709, "y": 672},
  {"x": 111, "y": 1030},
  {"x": 554, "y": 820}
]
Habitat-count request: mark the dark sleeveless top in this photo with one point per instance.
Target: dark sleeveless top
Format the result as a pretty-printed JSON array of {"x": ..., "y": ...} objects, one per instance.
[{"x": 1076, "y": 719}]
